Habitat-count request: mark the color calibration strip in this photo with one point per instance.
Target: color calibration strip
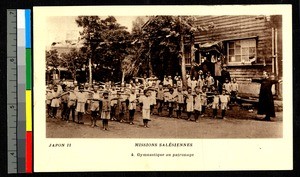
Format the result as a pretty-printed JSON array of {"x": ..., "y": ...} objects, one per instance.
[
  {"x": 28, "y": 93},
  {"x": 24, "y": 91},
  {"x": 19, "y": 83}
]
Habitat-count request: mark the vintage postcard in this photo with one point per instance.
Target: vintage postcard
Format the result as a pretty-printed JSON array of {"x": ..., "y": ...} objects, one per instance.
[{"x": 162, "y": 88}]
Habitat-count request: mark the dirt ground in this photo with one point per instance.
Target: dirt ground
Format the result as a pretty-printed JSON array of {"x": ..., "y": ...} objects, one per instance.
[{"x": 239, "y": 123}]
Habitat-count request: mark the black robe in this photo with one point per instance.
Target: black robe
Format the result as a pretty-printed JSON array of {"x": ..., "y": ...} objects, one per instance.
[{"x": 266, "y": 101}]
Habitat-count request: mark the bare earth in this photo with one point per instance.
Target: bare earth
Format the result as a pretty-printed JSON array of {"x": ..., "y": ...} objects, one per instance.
[{"x": 239, "y": 124}]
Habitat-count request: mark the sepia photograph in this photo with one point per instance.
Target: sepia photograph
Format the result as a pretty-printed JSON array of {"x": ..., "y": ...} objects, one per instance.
[
  {"x": 160, "y": 87},
  {"x": 177, "y": 76}
]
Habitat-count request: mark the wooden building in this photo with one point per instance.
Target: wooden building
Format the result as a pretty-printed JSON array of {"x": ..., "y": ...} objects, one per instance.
[{"x": 248, "y": 45}]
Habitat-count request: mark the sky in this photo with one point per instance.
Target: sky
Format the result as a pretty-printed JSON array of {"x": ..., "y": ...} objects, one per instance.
[{"x": 62, "y": 27}]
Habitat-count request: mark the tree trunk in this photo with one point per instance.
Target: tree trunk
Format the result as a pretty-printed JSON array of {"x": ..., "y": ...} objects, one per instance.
[
  {"x": 123, "y": 76},
  {"x": 90, "y": 71},
  {"x": 183, "y": 69},
  {"x": 74, "y": 75},
  {"x": 150, "y": 72}
]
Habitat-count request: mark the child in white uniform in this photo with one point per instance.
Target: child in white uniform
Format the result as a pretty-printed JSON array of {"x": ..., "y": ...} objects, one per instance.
[
  {"x": 234, "y": 90},
  {"x": 71, "y": 104},
  {"x": 203, "y": 100},
  {"x": 81, "y": 100},
  {"x": 49, "y": 99},
  {"x": 94, "y": 102},
  {"x": 146, "y": 102},
  {"x": 132, "y": 105},
  {"x": 180, "y": 102},
  {"x": 171, "y": 96},
  {"x": 215, "y": 103},
  {"x": 55, "y": 101},
  {"x": 160, "y": 99},
  {"x": 197, "y": 105},
  {"x": 189, "y": 103},
  {"x": 113, "y": 104},
  {"x": 105, "y": 111},
  {"x": 224, "y": 102}
]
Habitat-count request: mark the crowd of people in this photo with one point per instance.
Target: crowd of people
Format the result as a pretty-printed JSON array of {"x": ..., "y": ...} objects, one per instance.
[{"x": 110, "y": 101}]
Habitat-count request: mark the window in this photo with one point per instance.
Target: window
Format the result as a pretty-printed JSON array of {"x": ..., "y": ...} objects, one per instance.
[{"x": 241, "y": 51}]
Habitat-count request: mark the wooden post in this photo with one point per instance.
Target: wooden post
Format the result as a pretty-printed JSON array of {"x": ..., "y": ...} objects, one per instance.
[
  {"x": 276, "y": 63},
  {"x": 273, "y": 69},
  {"x": 276, "y": 53},
  {"x": 183, "y": 69}
]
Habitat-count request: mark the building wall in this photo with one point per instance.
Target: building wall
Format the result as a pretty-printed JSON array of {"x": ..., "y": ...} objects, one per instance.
[{"x": 226, "y": 28}]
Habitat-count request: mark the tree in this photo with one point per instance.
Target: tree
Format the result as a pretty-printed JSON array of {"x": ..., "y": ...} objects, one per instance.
[
  {"x": 137, "y": 26},
  {"x": 164, "y": 39},
  {"x": 74, "y": 60},
  {"x": 106, "y": 43},
  {"x": 52, "y": 58}
]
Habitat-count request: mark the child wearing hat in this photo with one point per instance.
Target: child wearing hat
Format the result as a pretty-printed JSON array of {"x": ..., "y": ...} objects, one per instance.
[
  {"x": 132, "y": 105},
  {"x": 197, "y": 104},
  {"x": 113, "y": 104},
  {"x": 171, "y": 96},
  {"x": 81, "y": 100},
  {"x": 64, "y": 103},
  {"x": 224, "y": 99},
  {"x": 49, "y": 97},
  {"x": 94, "y": 101},
  {"x": 234, "y": 91},
  {"x": 215, "y": 103},
  {"x": 55, "y": 101},
  {"x": 203, "y": 100},
  {"x": 105, "y": 111},
  {"x": 180, "y": 102},
  {"x": 189, "y": 102},
  {"x": 71, "y": 104},
  {"x": 210, "y": 81},
  {"x": 124, "y": 94},
  {"x": 160, "y": 99}
]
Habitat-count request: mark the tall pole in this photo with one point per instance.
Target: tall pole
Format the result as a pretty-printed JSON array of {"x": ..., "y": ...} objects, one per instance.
[
  {"x": 183, "y": 69},
  {"x": 90, "y": 59},
  {"x": 276, "y": 61},
  {"x": 273, "y": 58},
  {"x": 276, "y": 52},
  {"x": 90, "y": 70}
]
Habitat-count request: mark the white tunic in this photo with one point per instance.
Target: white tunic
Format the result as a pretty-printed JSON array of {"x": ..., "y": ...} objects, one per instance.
[
  {"x": 224, "y": 101},
  {"x": 95, "y": 102},
  {"x": 198, "y": 105},
  {"x": 132, "y": 104},
  {"x": 215, "y": 103},
  {"x": 190, "y": 103},
  {"x": 55, "y": 101},
  {"x": 146, "y": 106}
]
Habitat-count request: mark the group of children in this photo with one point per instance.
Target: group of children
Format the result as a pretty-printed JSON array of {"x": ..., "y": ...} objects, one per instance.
[{"x": 113, "y": 103}]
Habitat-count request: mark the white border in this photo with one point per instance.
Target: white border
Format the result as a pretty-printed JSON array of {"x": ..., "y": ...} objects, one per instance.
[{"x": 114, "y": 154}]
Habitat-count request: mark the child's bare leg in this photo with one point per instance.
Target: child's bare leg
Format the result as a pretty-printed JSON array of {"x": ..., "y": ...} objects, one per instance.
[
  {"x": 223, "y": 113},
  {"x": 189, "y": 114},
  {"x": 196, "y": 115},
  {"x": 215, "y": 113},
  {"x": 103, "y": 124}
]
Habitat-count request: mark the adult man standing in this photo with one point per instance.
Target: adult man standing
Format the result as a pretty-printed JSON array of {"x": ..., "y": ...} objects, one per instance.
[
  {"x": 266, "y": 101},
  {"x": 224, "y": 75}
]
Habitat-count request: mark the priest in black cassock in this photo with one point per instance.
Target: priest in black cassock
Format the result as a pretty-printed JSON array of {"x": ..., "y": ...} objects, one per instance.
[{"x": 266, "y": 101}]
